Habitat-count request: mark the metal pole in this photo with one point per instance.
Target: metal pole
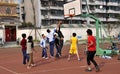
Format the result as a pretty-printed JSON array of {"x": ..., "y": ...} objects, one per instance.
[{"x": 97, "y": 35}]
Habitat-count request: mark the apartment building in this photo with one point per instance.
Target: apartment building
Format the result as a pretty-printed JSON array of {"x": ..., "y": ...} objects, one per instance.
[{"x": 44, "y": 13}]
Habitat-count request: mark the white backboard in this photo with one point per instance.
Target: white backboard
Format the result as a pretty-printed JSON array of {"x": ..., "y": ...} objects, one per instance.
[{"x": 73, "y": 7}]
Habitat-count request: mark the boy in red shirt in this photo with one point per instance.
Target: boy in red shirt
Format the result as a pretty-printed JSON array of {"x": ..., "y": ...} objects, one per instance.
[
  {"x": 91, "y": 50},
  {"x": 23, "y": 46}
]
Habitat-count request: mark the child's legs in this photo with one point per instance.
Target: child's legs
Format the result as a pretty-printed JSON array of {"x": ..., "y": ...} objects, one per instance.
[
  {"x": 45, "y": 52},
  {"x": 88, "y": 58},
  {"x": 61, "y": 46},
  {"x": 92, "y": 58},
  {"x": 52, "y": 48},
  {"x": 70, "y": 52},
  {"x": 58, "y": 50},
  {"x": 30, "y": 59},
  {"x": 32, "y": 62},
  {"x": 24, "y": 56},
  {"x": 77, "y": 54},
  {"x": 69, "y": 56},
  {"x": 29, "y": 63}
]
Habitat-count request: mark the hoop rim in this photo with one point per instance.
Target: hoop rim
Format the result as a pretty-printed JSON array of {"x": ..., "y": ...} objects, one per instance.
[{"x": 70, "y": 15}]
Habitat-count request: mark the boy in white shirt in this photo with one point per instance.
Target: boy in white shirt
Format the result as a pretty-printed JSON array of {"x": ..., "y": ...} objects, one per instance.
[{"x": 44, "y": 47}]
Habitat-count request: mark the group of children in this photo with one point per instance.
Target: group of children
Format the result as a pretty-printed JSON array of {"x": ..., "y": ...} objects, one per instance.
[
  {"x": 28, "y": 48},
  {"x": 44, "y": 46}
]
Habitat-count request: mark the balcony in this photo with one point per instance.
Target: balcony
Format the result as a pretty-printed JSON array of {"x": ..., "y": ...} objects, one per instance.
[
  {"x": 99, "y": 2},
  {"x": 113, "y": 4},
  {"x": 112, "y": 19},
  {"x": 56, "y": 7},
  {"x": 56, "y": 17},
  {"x": 100, "y": 11},
  {"x": 102, "y": 18},
  {"x": 113, "y": 11},
  {"x": 8, "y": 15},
  {"x": 52, "y": 7},
  {"x": 52, "y": 17}
]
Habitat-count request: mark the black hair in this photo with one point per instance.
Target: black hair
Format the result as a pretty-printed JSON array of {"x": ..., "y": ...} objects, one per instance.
[
  {"x": 30, "y": 38},
  {"x": 89, "y": 31},
  {"x": 74, "y": 34},
  {"x": 42, "y": 34},
  {"x": 48, "y": 30},
  {"x": 23, "y": 35},
  {"x": 55, "y": 35}
]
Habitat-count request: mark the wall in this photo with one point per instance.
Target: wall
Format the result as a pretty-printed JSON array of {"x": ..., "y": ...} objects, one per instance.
[{"x": 67, "y": 32}]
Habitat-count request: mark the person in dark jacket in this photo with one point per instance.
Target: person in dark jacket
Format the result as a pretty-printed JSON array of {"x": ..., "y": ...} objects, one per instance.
[{"x": 57, "y": 45}]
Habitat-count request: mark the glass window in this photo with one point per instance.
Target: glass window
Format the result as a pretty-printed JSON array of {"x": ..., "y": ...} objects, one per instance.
[{"x": 7, "y": 1}]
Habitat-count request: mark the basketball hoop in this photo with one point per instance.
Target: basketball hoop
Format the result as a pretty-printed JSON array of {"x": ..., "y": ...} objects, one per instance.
[{"x": 69, "y": 15}]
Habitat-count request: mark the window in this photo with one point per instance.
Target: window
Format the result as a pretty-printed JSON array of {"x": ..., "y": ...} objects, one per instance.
[
  {"x": 8, "y": 10},
  {"x": 7, "y": 1}
]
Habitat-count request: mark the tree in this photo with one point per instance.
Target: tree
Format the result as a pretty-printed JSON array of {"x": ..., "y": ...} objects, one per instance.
[
  {"x": 26, "y": 25},
  {"x": 33, "y": 6}
]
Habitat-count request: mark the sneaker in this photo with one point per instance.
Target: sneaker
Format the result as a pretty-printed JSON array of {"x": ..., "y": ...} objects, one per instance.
[
  {"x": 33, "y": 65},
  {"x": 88, "y": 70},
  {"x": 97, "y": 69},
  {"x": 46, "y": 58},
  {"x": 24, "y": 63},
  {"x": 43, "y": 57},
  {"x": 28, "y": 67},
  {"x": 79, "y": 59},
  {"x": 68, "y": 59}
]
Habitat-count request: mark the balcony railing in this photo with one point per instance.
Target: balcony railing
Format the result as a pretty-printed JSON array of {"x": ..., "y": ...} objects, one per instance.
[
  {"x": 112, "y": 19},
  {"x": 113, "y": 11},
  {"x": 112, "y": 3}
]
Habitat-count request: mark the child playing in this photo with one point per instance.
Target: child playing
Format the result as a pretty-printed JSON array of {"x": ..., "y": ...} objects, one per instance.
[
  {"x": 44, "y": 47},
  {"x": 74, "y": 46},
  {"x": 23, "y": 46},
  {"x": 57, "y": 45},
  {"x": 30, "y": 49}
]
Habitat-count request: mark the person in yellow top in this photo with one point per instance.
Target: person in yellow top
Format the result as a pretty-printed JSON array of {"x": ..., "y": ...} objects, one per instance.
[{"x": 74, "y": 46}]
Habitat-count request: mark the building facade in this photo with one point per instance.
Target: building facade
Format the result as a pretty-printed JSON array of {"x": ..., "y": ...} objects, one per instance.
[
  {"x": 8, "y": 20},
  {"x": 48, "y": 12}
]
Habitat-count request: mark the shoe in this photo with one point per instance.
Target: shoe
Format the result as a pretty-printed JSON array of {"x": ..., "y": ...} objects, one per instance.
[
  {"x": 28, "y": 67},
  {"x": 79, "y": 59},
  {"x": 33, "y": 65},
  {"x": 68, "y": 59},
  {"x": 88, "y": 70},
  {"x": 97, "y": 69},
  {"x": 43, "y": 57},
  {"x": 46, "y": 58},
  {"x": 24, "y": 63}
]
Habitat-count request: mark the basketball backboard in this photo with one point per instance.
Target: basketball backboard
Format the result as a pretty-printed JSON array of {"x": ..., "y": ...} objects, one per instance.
[{"x": 73, "y": 7}]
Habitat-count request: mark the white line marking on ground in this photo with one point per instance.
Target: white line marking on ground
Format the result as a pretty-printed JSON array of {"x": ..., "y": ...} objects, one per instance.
[
  {"x": 50, "y": 70},
  {"x": 8, "y": 70},
  {"x": 60, "y": 69}
]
